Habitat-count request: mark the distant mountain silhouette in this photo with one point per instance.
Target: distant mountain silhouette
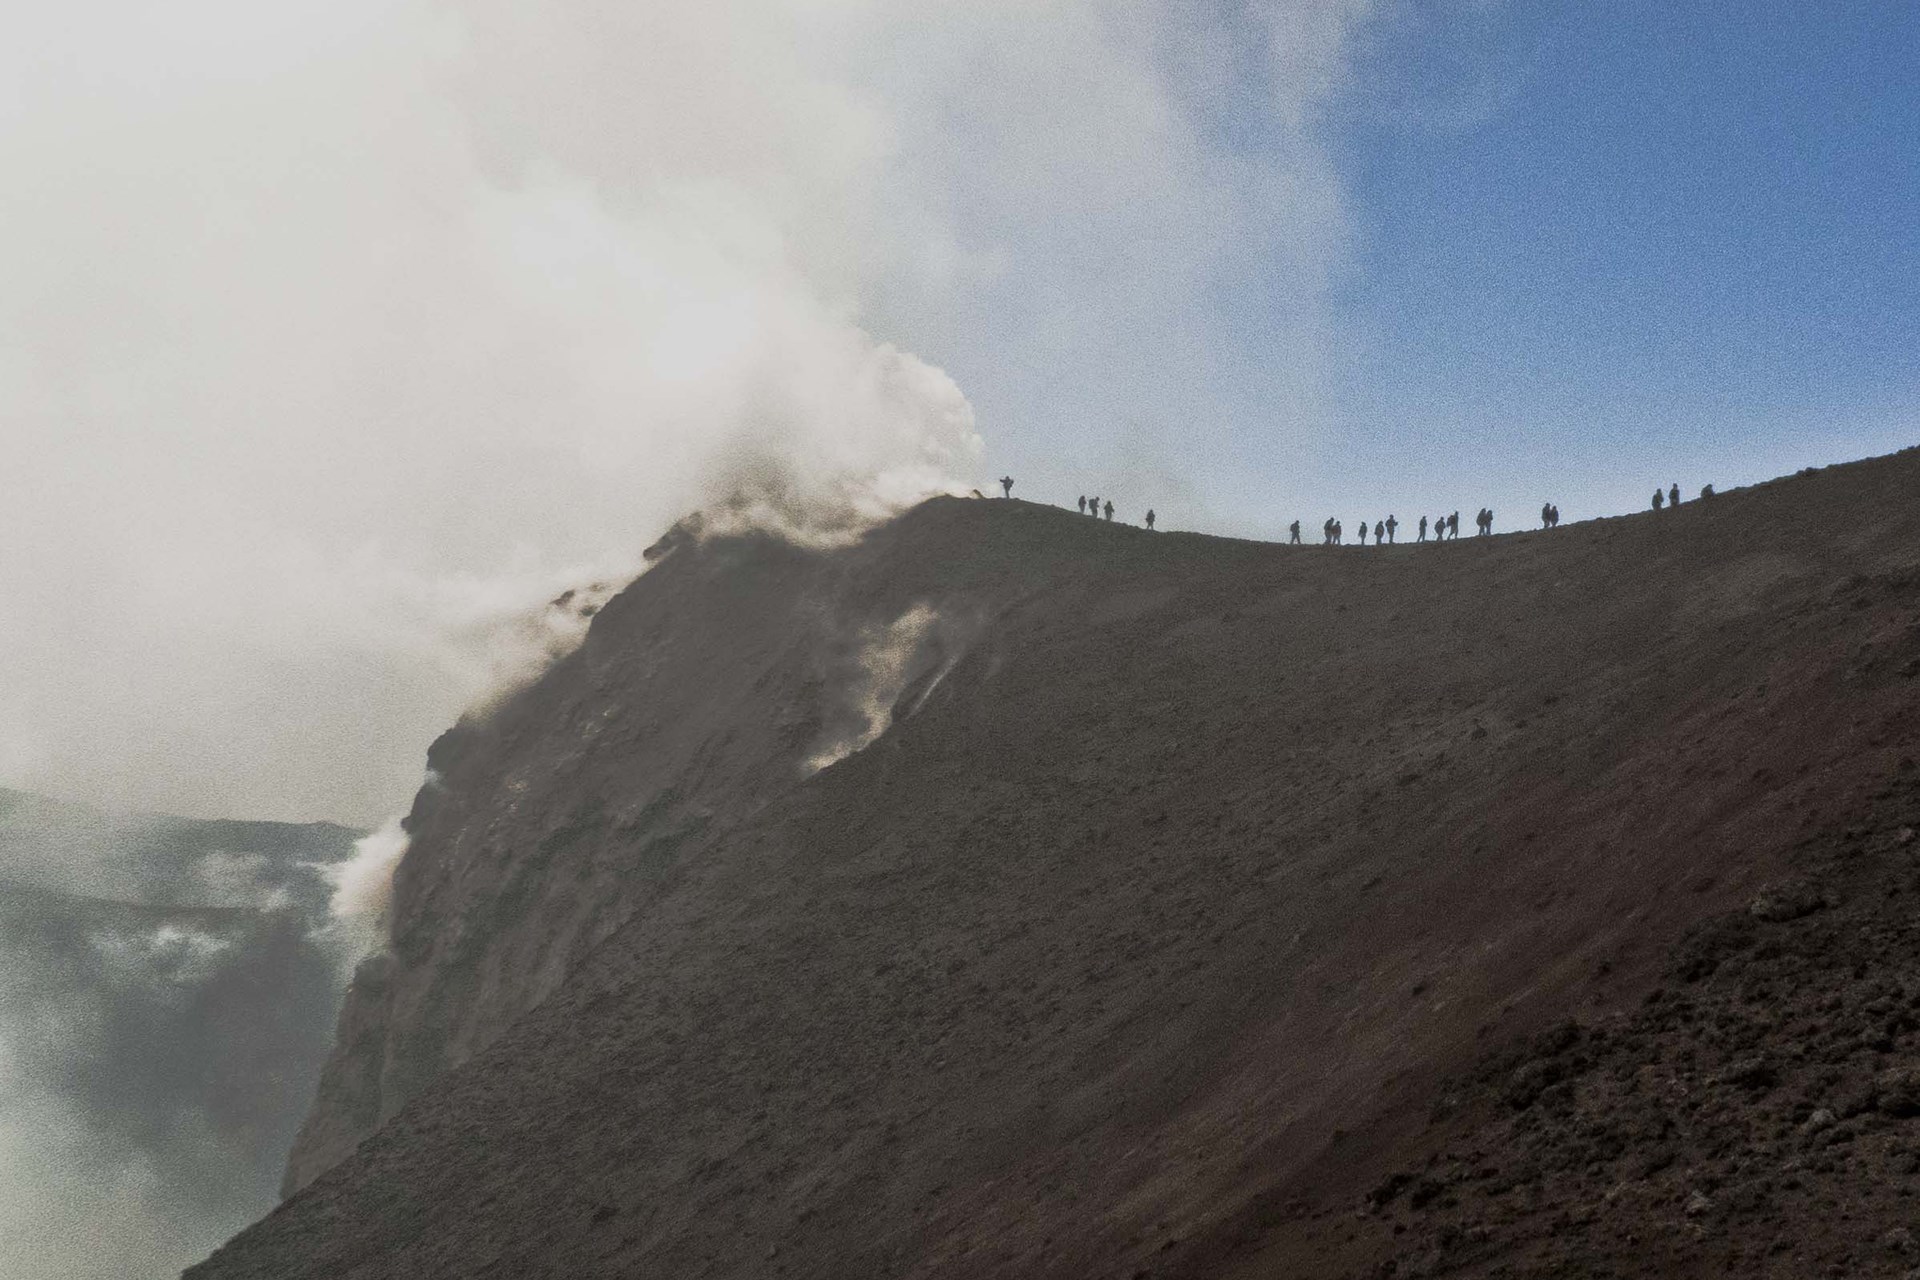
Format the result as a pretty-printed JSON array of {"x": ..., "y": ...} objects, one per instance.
[{"x": 165, "y": 1004}]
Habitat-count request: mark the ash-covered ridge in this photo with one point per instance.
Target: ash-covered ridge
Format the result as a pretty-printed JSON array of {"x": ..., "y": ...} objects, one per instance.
[
  {"x": 1141, "y": 928},
  {"x": 734, "y": 668}
]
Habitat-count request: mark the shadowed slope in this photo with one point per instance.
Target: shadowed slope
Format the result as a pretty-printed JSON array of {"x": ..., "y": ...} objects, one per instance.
[{"x": 1169, "y": 903}]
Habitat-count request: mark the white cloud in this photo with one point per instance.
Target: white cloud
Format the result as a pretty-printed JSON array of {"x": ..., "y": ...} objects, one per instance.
[{"x": 333, "y": 335}]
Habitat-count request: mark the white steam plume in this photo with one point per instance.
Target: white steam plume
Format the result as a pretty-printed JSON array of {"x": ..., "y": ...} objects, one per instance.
[
  {"x": 363, "y": 885},
  {"x": 334, "y": 335},
  {"x": 880, "y": 672}
]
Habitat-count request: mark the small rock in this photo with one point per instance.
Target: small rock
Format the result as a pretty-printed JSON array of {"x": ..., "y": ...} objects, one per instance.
[
  {"x": 1788, "y": 900},
  {"x": 1820, "y": 1119},
  {"x": 1699, "y": 1204},
  {"x": 1897, "y": 1091},
  {"x": 1899, "y": 1240},
  {"x": 1751, "y": 1073},
  {"x": 1853, "y": 1097},
  {"x": 1905, "y": 836}
]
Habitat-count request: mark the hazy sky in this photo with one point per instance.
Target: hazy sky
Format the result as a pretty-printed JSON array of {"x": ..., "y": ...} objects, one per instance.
[{"x": 334, "y": 334}]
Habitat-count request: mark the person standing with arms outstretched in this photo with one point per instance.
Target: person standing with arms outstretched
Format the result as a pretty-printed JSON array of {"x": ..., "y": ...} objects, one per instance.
[{"x": 1006, "y": 486}]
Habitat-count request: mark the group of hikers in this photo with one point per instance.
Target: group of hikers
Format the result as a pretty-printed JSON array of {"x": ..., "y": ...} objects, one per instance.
[
  {"x": 1093, "y": 507},
  {"x": 1384, "y": 531},
  {"x": 1333, "y": 533},
  {"x": 1088, "y": 506}
]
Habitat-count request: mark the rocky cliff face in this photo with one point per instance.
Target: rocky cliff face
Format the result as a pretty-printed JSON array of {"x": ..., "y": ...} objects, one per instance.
[
  {"x": 1148, "y": 934},
  {"x": 723, "y": 678}
]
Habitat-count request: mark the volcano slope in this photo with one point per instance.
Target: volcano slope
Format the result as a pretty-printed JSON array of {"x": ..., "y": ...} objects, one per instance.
[{"x": 1205, "y": 907}]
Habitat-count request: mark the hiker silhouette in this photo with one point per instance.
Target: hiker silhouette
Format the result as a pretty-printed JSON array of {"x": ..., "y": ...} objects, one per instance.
[
  {"x": 1293, "y": 533},
  {"x": 1379, "y": 532},
  {"x": 1326, "y": 532},
  {"x": 1392, "y": 525},
  {"x": 1363, "y": 533},
  {"x": 1423, "y": 530},
  {"x": 1082, "y": 504},
  {"x": 1659, "y": 499},
  {"x": 1338, "y": 533},
  {"x": 1093, "y": 507},
  {"x": 1453, "y": 525},
  {"x": 1109, "y": 508},
  {"x": 1006, "y": 486},
  {"x": 1673, "y": 496},
  {"x": 1149, "y": 517}
]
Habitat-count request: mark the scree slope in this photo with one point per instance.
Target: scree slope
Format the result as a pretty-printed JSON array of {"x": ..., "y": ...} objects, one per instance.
[{"x": 1013, "y": 894}]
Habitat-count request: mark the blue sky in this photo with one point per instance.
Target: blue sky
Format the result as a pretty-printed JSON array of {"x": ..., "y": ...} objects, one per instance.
[
  {"x": 1564, "y": 252},
  {"x": 1604, "y": 246}
]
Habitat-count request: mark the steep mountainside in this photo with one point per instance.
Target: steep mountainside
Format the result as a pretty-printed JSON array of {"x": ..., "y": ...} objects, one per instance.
[
  {"x": 721, "y": 682},
  {"x": 1169, "y": 921}
]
